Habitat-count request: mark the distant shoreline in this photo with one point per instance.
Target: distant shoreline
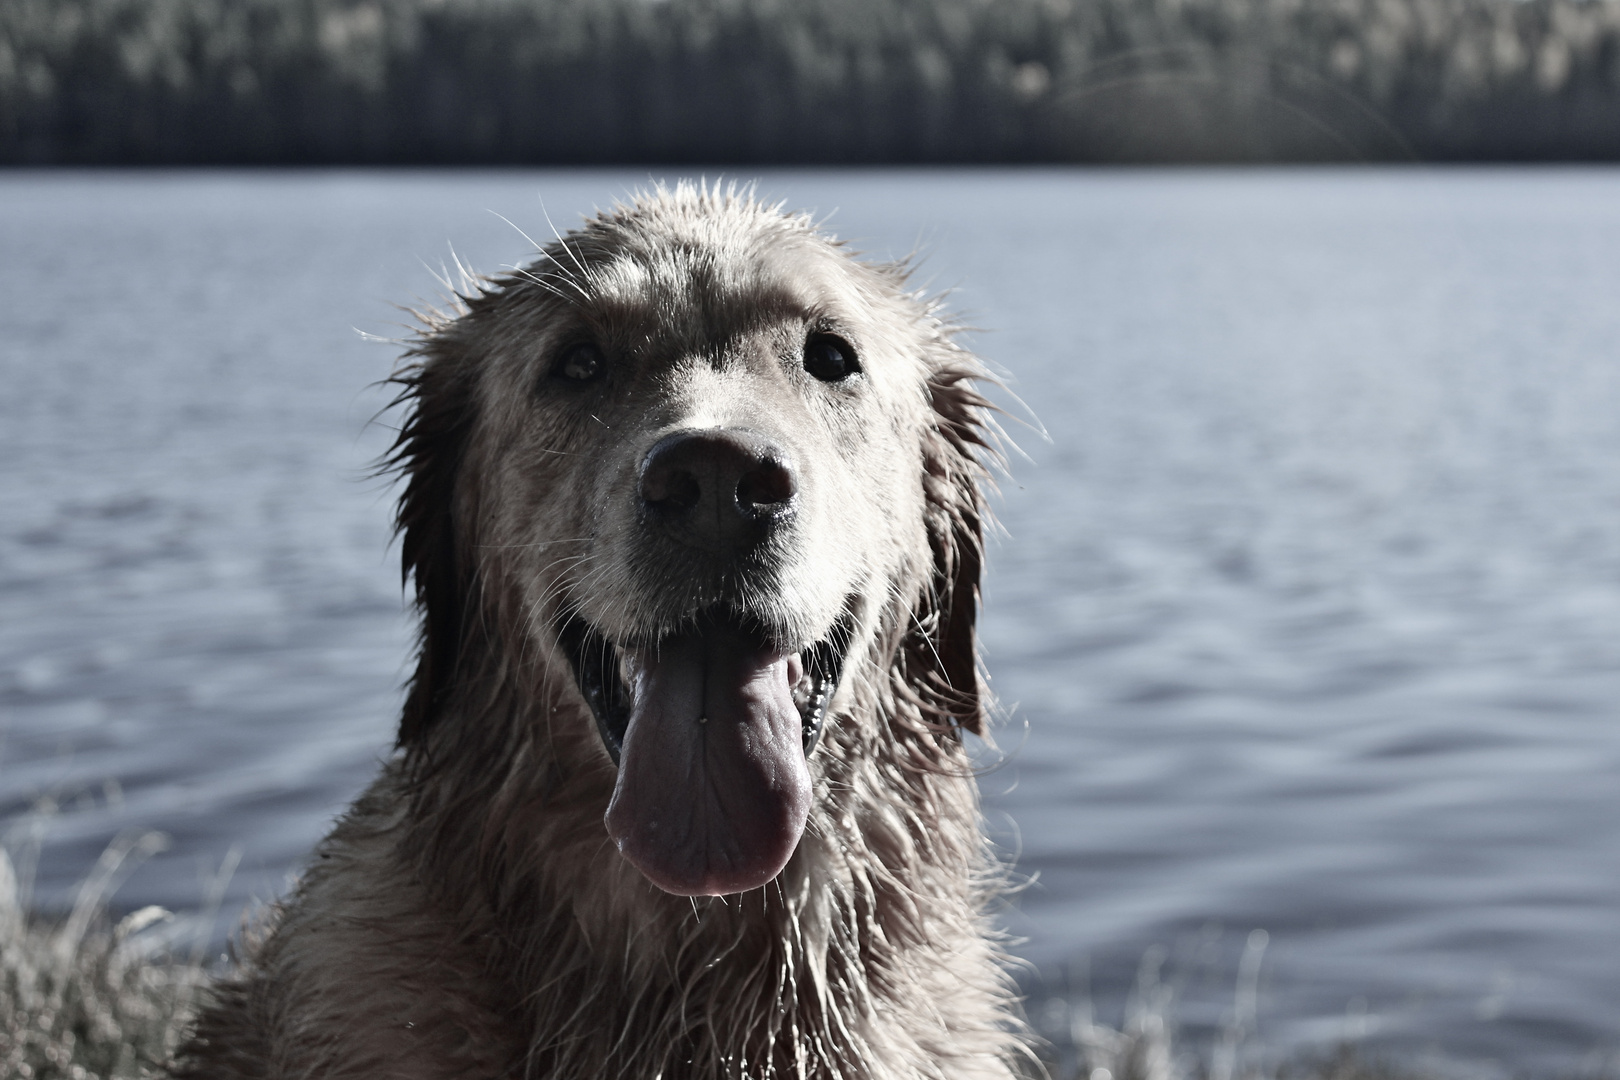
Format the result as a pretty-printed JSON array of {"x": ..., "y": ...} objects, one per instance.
[{"x": 753, "y": 83}]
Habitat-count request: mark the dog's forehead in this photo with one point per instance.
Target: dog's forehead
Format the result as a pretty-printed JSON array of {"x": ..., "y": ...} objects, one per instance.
[{"x": 707, "y": 285}]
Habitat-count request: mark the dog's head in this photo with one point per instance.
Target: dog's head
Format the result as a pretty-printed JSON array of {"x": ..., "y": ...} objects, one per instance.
[{"x": 726, "y": 477}]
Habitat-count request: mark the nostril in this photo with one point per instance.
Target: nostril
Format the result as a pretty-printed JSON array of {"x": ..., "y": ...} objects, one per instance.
[
  {"x": 766, "y": 486},
  {"x": 672, "y": 488}
]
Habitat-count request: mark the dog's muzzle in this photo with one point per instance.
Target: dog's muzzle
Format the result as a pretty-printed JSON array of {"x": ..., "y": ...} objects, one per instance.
[
  {"x": 711, "y": 725},
  {"x": 711, "y": 722}
]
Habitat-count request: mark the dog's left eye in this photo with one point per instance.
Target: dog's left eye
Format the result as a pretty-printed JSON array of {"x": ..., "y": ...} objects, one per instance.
[
  {"x": 830, "y": 358},
  {"x": 580, "y": 363}
]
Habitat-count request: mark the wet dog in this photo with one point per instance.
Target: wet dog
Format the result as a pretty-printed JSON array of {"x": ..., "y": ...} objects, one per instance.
[{"x": 693, "y": 510}]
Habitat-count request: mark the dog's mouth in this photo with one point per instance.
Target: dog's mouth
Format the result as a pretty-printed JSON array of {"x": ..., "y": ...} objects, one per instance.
[{"x": 711, "y": 727}]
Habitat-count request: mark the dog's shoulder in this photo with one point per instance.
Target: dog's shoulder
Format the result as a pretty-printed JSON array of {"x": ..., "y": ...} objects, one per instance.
[{"x": 358, "y": 974}]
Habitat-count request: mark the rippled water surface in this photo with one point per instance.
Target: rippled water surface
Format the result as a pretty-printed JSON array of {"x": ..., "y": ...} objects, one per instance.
[{"x": 1306, "y": 618}]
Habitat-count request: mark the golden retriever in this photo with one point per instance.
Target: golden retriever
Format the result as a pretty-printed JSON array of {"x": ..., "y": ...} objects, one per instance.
[{"x": 693, "y": 507}]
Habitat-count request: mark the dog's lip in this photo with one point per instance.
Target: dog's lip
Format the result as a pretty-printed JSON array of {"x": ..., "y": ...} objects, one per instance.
[{"x": 595, "y": 660}]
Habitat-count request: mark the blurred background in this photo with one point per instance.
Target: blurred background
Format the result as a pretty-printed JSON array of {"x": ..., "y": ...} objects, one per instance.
[
  {"x": 1305, "y": 612},
  {"x": 807, "y": 81}
]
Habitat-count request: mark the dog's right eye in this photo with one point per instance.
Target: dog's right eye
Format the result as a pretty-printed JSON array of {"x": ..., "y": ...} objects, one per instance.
[{"x": 579, "y": 363}]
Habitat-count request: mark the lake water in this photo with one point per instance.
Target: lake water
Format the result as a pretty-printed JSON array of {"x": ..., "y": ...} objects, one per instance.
[{"x": 1306, "y": 618}]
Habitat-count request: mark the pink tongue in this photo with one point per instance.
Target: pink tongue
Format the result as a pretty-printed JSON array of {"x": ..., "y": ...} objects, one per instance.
[{"x": 713, "y": 788}]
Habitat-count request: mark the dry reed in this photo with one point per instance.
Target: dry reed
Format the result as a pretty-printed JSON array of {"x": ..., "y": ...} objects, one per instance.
[{"x": 83, "y": 997}]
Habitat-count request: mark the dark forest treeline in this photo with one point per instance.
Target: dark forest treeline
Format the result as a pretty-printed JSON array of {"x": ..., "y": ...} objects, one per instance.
[{"x": 756, "y": 81}]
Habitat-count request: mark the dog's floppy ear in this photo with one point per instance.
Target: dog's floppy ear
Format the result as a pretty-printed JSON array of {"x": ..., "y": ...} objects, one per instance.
[
  {"x": 437, "y": 391},
  {"x": 944, "y": 665}
]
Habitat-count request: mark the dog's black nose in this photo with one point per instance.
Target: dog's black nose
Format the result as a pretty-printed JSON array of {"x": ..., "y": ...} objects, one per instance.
[{"x": 719, "y": 488}]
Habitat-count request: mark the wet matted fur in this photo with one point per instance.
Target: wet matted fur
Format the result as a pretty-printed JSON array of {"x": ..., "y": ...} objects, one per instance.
[{"x": 476, "y": 914}]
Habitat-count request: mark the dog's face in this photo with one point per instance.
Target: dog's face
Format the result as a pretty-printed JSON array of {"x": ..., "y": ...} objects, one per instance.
[{"x": 694, "y": 470}]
